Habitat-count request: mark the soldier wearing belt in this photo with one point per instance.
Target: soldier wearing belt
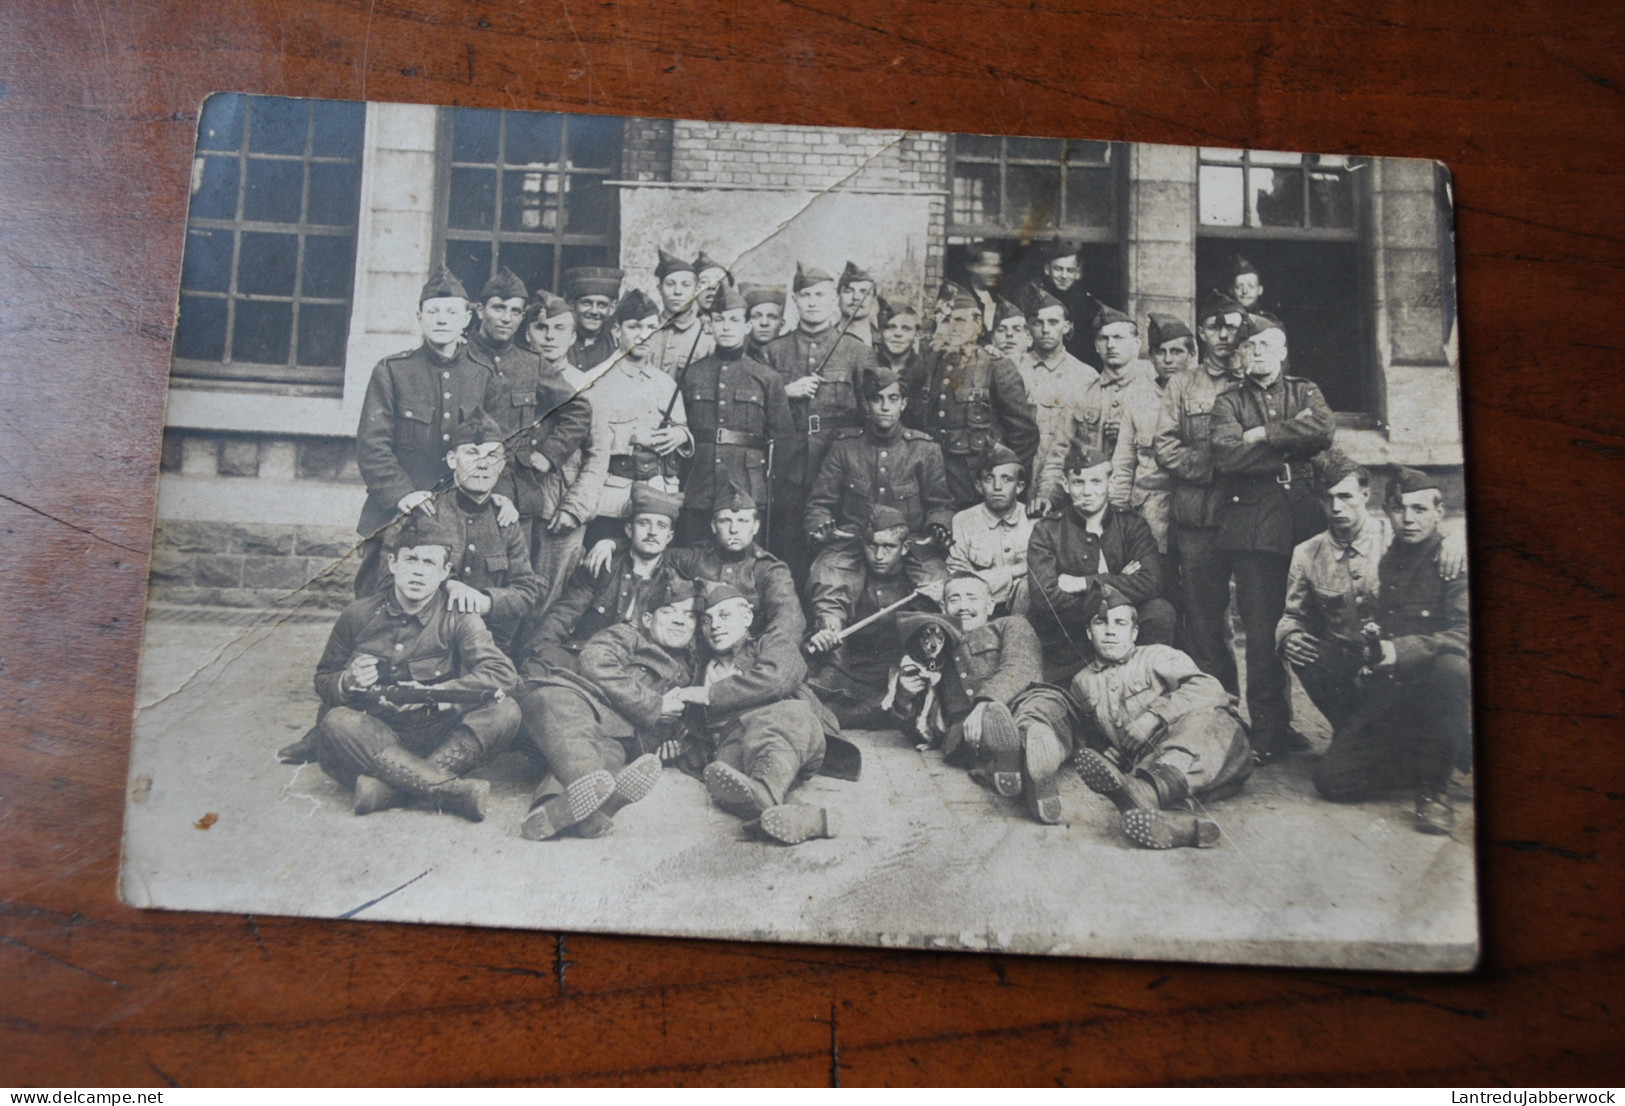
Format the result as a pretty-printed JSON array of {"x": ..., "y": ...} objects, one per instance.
[
  {"x": 1266, "y": 432},
  {"x": 968, "y": 400},
  {"x": 736, "y": 408},
  {"x": 1139, "y": 482},
  {"x": 764, "y": 311},
  {"x": 681, "y": 338},
  {"x": 820, "y": 365},
  {"x": 592, "y": 292}
]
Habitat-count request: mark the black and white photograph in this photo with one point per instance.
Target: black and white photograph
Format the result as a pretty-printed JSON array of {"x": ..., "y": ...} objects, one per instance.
[{"x": 805, "y": 534}]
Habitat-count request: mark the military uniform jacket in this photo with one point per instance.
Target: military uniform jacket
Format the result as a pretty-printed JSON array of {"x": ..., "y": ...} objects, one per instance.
[
  {"x": 586, "y": 605},
  {"x": 495, "y": 560},
  {"x": 1136, "y": 472},
  {"x": 735, "y": 406},
  {"x": 1421, "y": 614},
  {"x": 450, "y": 649},
  {"x": 1094, "y": 423},
  {"x": 837, "y": 608},
  {"x": 767, "y": 672},
  {"x": 1267, "y": 496},
  {"x": 538, "y": 413},
  {"x": 968, "y": 400},
  {"x": 839, "y": 359},
  {"x": 414, "y": 403},
  {"x": 624, "y": 675},
  {"x": 1331, "y": 588},
  {"x": 670, "y": 349},
  {"x": 1184, "y": 441},
  {"x": 1155, "y": 679},
  {"x": 903, "y": 469},
  {"x": 755, "y": 572},
  {"x": 588, "y": 353},
  {"x": 1064, "y": 547},
  {"x": 1000, "y": 660}
]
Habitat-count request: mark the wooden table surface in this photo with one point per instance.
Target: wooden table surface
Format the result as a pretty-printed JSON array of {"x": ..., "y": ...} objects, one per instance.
[{"x": 1526, "y": 101}]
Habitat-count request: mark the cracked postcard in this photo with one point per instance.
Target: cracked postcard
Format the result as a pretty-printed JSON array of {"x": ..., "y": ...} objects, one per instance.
[{"x": 891, "y": 538}]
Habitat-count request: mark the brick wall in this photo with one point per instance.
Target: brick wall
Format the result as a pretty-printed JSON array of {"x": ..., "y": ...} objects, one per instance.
[
  {"x": 255, "y": 565},
  {"x": 646, "y": 149}
]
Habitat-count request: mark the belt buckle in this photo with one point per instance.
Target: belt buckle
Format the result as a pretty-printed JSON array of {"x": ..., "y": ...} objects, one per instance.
[
  {"x": 719, "y": 436},
  {"x": 812, "y": 424},
  {"x": 1284, "y": 477}
]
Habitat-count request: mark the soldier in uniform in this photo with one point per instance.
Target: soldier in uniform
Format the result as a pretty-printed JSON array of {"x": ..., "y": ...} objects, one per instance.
[
  {"x": 856, "y": 292},
  {"x": 1159, "y": 732},
  {"x": 884, "y": 463},
  {"x": 599, "y": 731},
  {"x": 736, "y": 410},
  {"x": 851, "y": 674},
  {"x": 764, "y": 311},
  {"x": 967, "y": 400},
  {"x": 593, "y": 293},
  {"x": 1139, "y": 482},
  {"x": 1056, "y": 381},
  {"x": 409, "y": 636},
  {"x": 1246, "y": 287},
  {"x": 1184, "y": 447},
  {"x": 1010, "y": 337},
  {"x": 1266, "y": 431},
  {"x": 1089, "y": 545},
  {"x": 820, "y": 365},
  {"x": 1063, "y": 281},
  {"x": 617, "y": 595},
  {"x": 413, "y": 403},
  {"x": 899, "y": 336},
  {"x": 984, "y": 268},
  {"x": 709, "y": 276},
  {"x": 681, "y": 339},
  {"x": 991, "y": 538},
  {"x": 1172, "y": 346},
  {"x": 1408, "y": 724}
]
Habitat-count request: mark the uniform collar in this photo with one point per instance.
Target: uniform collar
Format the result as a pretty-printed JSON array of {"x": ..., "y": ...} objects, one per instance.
[
  {"x": 1010, "y": 518},
  {"x": 393, "y": 608},
  {"x": 876, "y": 436}
]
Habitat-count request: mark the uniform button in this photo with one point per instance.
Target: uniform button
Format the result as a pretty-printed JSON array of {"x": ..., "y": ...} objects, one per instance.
[
  {"x": 1424, "y": 614},
  {"x": 445, "y": 437},
  {"x": 399, "y": 647},
  {"x": 408, "y": 414},
  {"x": 883, "y": 453},
  {"x": 1235, "y": 499},
  {"x": 448, "y": 395},
  {"x": 471, "y": 545},
  {"x": 445, "y": 376}
]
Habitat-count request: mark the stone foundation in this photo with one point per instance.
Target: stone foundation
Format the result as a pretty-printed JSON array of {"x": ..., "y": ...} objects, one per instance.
[{"x": 252, "y": 565}]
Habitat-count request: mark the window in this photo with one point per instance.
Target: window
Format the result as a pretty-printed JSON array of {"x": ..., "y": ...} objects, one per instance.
[
  {"x": 527, "y": 190},
  {"x": 270, "y": 242},
  {"x": 1034, "y": 188},
  {"x": 1257, "y": 189}
]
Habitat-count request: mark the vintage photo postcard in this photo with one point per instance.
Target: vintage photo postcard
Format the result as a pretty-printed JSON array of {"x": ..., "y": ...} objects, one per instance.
[{"x": 789, "y": 533}]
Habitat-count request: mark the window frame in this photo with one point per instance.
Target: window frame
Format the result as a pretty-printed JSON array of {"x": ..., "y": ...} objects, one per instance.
[
  {"x": 1116, "y": 166},
  {"x": 1359, "y": 180}
]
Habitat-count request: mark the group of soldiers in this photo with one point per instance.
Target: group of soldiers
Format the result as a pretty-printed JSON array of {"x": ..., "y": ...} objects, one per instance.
[{"x": 626, "y": 533}]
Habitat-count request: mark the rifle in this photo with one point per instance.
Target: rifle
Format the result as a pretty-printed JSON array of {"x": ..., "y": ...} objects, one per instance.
[
  {"x": 401, "y": 695},
  {"x": 671, "y": 404},
  {"x": 864, "y": 623}
]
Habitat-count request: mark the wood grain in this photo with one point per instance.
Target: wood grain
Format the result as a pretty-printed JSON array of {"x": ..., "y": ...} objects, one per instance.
[{"x": 97, "y": 108}]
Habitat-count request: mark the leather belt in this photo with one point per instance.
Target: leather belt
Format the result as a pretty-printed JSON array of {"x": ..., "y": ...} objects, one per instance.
[
  {"x": 739, "y": 437},
  {"x": 817, "y": 424}
]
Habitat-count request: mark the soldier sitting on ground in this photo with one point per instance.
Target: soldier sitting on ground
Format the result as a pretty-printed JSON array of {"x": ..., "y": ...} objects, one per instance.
[
  {"x": 599, "y": 732},
  {"x": 1159, "y": 731},
  {"x": 409, "y": 643}
]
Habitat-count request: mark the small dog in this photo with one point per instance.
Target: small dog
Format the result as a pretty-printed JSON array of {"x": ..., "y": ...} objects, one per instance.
[{"x": 925, "y": 656}]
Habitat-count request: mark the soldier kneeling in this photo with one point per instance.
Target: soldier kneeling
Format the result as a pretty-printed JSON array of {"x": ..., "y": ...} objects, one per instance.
[
  {"x": 416, "y": 692},
  {"x": 1161, "y": 732}
]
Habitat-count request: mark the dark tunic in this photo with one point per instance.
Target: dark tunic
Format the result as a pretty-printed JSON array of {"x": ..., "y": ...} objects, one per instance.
[
  {"x": 735, "y": 407},
  {"x": 902, "y": 469},
  {"x": 839, "y": 359},
  {"x": 493, "y": 559},
  {"x": 969, "y": 400},
  {"x": 1064, "y": 547},
  {"x": 1266, "y": 490},
  {"x": 587, "y": 605},
  {"x": 538, "y": 413}
]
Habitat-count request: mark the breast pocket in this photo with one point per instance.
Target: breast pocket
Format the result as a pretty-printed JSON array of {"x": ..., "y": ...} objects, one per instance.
[
  {"x": 749, "y": 409},
  {"x": 412, "y": 429},
  {"x": 523, "y": 404},
  {"x": 497, "y": 564},
  {"x": 978, "y": 408}
]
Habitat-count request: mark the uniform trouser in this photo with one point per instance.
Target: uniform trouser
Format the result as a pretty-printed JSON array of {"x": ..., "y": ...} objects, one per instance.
[
  {"x": 349, "y": 741},
  {"x": 851, "y": 682},
  {"x": 960, "y": 470},
  {"x": 1261, "y": 599},
  {"x": 787, "y": 531},
  {"x": 1204, "y": 580},
  {"x": 839, "y": 567},
  {"x": 1329, "y": 681},
  {"x": 778, "y": 745},
  {"x": 370, "y": 570},
  {"x": 1039, "y": 704},
  {"x": 553, "y": 557},
  {"x": 1157, "y": 510},
  {"x": 1207, "y": 748},
  {"x": 1399, "y": 734},
  {"x": 562, "y": 728}
]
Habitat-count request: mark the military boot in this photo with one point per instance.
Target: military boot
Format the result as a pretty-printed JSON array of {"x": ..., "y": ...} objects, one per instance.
[
  {"x": 401, "y": 770},
  {"x": 1041, "y": 756}
]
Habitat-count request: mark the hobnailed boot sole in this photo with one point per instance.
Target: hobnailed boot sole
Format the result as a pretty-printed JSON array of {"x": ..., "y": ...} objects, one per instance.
[
  {"x": 632, "y": 783},
  {"x": 552, "y": 816},
  {"x": 1002, "y": 744},
  {"x": 1158, "y": 829},
  {"x": 373, "y": 794},
  {"x": 1128, "y": 793},
  {"x": 793, "y": 823},
  {"x": 1041, "y": 758},
  {"x": 733, "y": 790}
]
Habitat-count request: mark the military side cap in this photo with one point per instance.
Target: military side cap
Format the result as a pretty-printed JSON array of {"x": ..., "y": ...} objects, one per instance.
[
  {"x": 1219, "y": 304},
  {"x": 442, "y": 284},
  {"x": 1332, "y": 467},
  {"x": 853, "y": 275},
  {"x": 1111, "y": 598},
  {"x": 761, "y": 293},
  {"x": 1110, "y": 316},
  {"x": 1256, "y": 323},
  {"x": 635, "y": 305},
  {"x": 670, "y": 263},
  {"x": 1165, "y": 328},
  {"x": 1083, "y": 458},
  {"x": 998, "y": 454},
  {"x": 1409, "y": 480},
  {"x": 877, "y": 378},
  {"x": 883, "y": 517},
  {"x": 1038, "y": 300},
  {"x": 548, "y": 306},
  {"x": 1240, "y": 265},
  {"x": 670, "y": 590},
  {"x": 947, "y": 290},
  {"x": 717, "y": 594},
  {"x": 506, "y": 285},
  {"x": 477, "y": 429},
  {"x": 964, "y": 301},
  {"x": 1057, "y": 250},
  {"x": 731, "y": 497},
  {"x": 728, "y": 299},
  {"x": 887, "y": 310},
  {"x": 705, "y": 261},
  {"x": 422, "y": 528},
  {"x": 592, "y": 280},
  {"x": 807, "y": 277},
  {"x": 650, "y": 500},
  {"x": 1003, "y": 309}
]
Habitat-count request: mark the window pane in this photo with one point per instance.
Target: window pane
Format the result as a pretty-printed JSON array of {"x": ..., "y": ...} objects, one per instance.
[
  {"x": 530, "y": 200},
  {"x": 474, "y": 134},
  {"x": 1219, "y": 195},
  {"x": 262, "y": 332},
  {"x": 1033, "y": 195},
  {"x": 589, "y": 205},
  {"x": 220, "y": 126},
  {"x": 1221, "y": 153},
  {"x": 976, "y": 193},
  {"x": 534, "y": 138},
  {"x": 1276, "y": 198},
  {"x": 329, "y": 267},
  {"x": 471, "y": 261},
  {"x": 531, "y": 260},
  {"x": 1088, "y": 198},
  {"x": 1042, "y": 149},
  {"x": 207, "y": 264},
  {"x": 595, "y": 141},
  {"x": 273, "y": 191},
  {"x": 1090, "y": 153},
  {"x": 473, "y": 203},
  {"x": 977, "y": 145},
  {"x": 1275, "y": 157},
  {"x": 334, "y": 191},
  {"x": 1331, "y": 199},
  {"x": 266, "y": 265},
  {"x": 277, "y": 126},
  {"x": 322, "y": 333},
  {"x": 214, "y": 188},
  {"x": 200, "y": 333},
  {"x": 338, "y": 128}
]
